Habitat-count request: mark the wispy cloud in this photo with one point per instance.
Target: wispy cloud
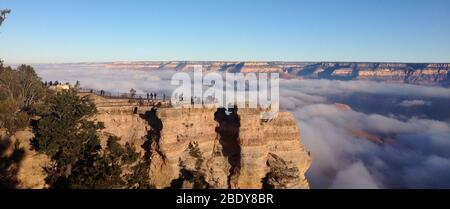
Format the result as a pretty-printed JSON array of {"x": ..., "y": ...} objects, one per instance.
[{"x": 414, "y": 103}]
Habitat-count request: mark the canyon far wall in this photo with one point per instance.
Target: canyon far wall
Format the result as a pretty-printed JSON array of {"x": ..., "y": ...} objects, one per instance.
[
  {"x": 413, "y": 73},
  {"x": 239, "y": 150}
]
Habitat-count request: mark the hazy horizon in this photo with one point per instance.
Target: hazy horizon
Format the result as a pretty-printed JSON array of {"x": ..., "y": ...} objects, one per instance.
[{"x": 289, "y": 61}]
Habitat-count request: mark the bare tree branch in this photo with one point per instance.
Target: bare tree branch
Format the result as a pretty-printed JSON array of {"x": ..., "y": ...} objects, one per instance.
[{"x": 3, "y": 14}]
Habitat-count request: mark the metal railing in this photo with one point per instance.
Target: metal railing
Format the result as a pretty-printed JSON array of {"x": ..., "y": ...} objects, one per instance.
[{"x": 122, "y": 95}]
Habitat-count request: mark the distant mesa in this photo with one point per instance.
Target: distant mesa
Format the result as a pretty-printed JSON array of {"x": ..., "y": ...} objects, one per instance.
[
  {"x": 374, "y": 138},
  {"x": 342, "y": 107}
]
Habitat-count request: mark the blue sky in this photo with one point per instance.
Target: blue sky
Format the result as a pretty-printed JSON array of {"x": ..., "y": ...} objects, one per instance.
[{"x": 311, "y": 30}]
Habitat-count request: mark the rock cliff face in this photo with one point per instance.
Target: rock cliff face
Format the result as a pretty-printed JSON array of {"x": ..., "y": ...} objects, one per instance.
[
  {"x": 24, "y": 163},
  {"x": 238, "y": 149},
  {"x": 391, "y": 72}
]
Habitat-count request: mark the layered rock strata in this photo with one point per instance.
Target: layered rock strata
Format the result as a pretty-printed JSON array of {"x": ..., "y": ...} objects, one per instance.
[
  {"x": 414, "y": 73},
  {"x": 237, "y": 146}
]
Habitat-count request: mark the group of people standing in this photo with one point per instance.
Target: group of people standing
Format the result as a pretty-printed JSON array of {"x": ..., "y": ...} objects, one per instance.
[{"x": 153, "y": 96}]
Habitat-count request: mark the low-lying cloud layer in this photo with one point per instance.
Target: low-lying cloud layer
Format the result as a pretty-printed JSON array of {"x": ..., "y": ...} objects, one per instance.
[
  {"x": 333, "y": 87},
  {"x": 416, "y": 154},
  {"x": 112, "y": 80},
  {"x": 419, "y": 156},
  {"x": 421, "y": 147}
]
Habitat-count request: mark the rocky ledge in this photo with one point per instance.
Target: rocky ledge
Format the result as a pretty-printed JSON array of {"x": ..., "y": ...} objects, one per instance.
[{"x": 235, "y": 150}]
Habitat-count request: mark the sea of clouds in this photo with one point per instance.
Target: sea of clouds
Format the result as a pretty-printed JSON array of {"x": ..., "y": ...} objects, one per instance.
[{"x": 419, "y": 157}]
